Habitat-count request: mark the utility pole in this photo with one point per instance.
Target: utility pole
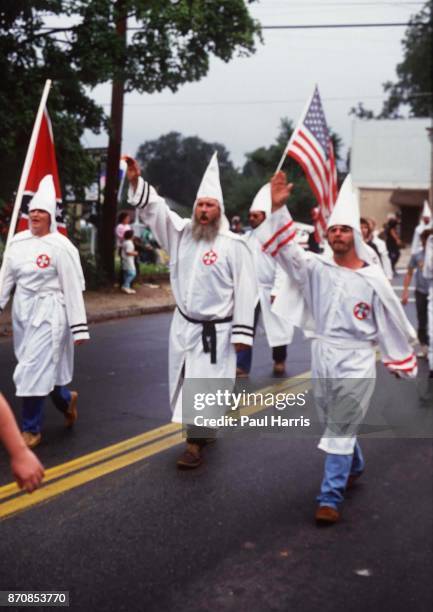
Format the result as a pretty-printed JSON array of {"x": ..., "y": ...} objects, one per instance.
[{"x": 109, "y": 208}]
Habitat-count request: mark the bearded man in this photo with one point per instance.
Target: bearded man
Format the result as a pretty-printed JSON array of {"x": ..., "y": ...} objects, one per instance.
[{"x": 212, "y": 278}]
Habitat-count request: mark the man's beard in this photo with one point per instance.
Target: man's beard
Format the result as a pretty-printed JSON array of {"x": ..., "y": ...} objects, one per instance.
[{"x": 208, "y": 232}]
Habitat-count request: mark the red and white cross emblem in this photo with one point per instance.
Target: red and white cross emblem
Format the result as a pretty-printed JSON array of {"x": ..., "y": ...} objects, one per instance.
[
  {"x": 43, "y": 261},
  {"x": 361, "y": 310},
  {"x": 209, "y": 258}
]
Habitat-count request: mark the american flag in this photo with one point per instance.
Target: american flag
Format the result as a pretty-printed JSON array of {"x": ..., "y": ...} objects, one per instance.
[
  {"x": 311, "y": 146},
  {"x": 43, "y": 162}
]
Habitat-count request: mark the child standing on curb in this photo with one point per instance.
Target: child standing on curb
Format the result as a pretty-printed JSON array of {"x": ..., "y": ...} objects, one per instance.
[{"x": 128, "y": 264}]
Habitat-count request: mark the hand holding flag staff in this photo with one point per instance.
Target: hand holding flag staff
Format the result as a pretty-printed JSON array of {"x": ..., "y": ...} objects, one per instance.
[
  {"x": 311, "y": 146},
  {"x": 40, "y": 160}
]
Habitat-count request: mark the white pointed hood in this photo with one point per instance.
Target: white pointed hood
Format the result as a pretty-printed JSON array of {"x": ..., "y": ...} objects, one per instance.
[
  {"x": 346, "y": 212},
  {"x": 426, "y": 212},
  {"x": 210, "y": 187},
  {"x": 263, "y": 201},
  {"x": 45, "y": 199}
]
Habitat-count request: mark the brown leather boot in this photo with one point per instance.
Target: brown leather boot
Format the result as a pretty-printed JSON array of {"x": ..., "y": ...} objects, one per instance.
[
  {"x": 31, "y": 439},
  {"x": 326, "y": 515},
  {"x": 191, "y": 457},
  {"x": 71, "y": 415}
]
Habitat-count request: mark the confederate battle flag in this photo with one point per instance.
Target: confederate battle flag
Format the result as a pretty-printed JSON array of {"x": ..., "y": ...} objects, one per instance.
[{"x": 43, "y": 162}]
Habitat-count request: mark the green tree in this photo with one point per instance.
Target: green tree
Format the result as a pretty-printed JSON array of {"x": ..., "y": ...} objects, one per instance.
[
  {"x": 414, "y": 85},
  {"x": 261, "y": 165},
  {"x": 175, "y": 164},
  {"x": 413, "y": 88},
  {"x": 82, "y": 43}
]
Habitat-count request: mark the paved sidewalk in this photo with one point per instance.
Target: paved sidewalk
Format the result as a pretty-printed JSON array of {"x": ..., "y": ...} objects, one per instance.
[{"x": 112, "y": 304}]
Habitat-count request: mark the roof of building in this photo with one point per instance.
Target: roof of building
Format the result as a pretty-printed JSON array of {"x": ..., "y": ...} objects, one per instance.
[{"x": 391, "y": 153}]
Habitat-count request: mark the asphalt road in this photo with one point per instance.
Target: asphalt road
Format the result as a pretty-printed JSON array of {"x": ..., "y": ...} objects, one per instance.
[{"x": 237, "y": 534}]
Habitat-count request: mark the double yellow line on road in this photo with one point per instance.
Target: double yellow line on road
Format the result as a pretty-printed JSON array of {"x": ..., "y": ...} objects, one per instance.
[{"x": 86, "y": 468}]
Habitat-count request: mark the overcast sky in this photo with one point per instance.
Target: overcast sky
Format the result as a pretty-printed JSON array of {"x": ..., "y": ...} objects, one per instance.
[{"x": 240, "y": 104}]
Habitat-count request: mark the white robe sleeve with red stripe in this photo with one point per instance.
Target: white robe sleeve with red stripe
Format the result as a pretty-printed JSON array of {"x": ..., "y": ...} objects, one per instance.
[
  {"x": 397, "y": 353},
  {"x": 293, "y": 295}
]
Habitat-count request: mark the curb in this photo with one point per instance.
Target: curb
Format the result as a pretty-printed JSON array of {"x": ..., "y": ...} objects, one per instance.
[
  {"x": 109, "y": 315},
  {"x": 123, "y": 313}
]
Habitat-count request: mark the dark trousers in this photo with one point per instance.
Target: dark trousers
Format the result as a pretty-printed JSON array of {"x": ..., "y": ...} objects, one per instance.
[
  {"x": 245, "y": 357},
  {"x": 394, "y": 256},
  {"x": 33, "y": 408},
  {"x": 421, "y": 302}
]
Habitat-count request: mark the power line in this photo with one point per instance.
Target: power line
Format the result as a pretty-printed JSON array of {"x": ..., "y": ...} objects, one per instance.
[
  {"x": 263, "y": 102},
  {"x": 336, "y": 25},
  {"x": 325, "y": 25}
]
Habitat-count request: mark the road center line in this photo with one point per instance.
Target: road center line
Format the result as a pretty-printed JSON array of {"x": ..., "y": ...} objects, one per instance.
[{"x": 89, "y": 467}]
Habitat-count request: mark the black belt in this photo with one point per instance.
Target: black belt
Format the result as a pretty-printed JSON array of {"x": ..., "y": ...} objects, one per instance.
[{"x": 208, "y": 334}]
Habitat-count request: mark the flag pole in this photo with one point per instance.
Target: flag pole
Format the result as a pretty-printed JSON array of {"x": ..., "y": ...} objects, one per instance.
[
  {"x": 25, "y": 172},
  {"x": 284, "y": 155}
]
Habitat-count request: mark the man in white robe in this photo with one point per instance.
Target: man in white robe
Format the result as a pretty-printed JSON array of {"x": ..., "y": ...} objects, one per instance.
[
  {"x": 428, "y": 274},
  {"x": 347, "y": 306},
  {"x": 425, "y": 223},
  {"x": 48, "y": 314},
  {"x": 212, "y": 278},
  {"x": 278, "y": 332}
]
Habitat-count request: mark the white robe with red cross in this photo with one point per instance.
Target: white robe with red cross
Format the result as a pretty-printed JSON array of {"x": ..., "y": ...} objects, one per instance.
[
  {"x": 268, "y": 273},
  {"x": 209, "y": 281},
  {"x": 347, "y": 312},
  {"x": 48, "y": 311}
]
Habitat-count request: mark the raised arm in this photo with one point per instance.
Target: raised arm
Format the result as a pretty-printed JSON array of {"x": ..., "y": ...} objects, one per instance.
[
  {"x": 277, "y": 234},
  {"x": 165, "y": 224}
]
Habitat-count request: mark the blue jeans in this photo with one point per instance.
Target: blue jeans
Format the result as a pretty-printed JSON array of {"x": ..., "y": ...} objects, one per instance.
[
  {"x": 128, "y": 277},
  {"x": 33, "y": 408},
  {"x": 338, "y": 468}
]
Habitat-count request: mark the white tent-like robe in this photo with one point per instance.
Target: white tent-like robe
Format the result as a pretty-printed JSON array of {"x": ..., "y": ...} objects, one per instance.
[
  {"x": 210, "y": 282},
  {"x": 268, "y": 275},
  {"x": 346, "y": 312},
  {"x": 48, "y": 311}
]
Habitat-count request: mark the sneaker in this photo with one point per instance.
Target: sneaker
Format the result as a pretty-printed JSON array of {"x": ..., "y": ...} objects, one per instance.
[
  {"x": 131, "y": 291},
  {"x": 190, "y": 458},
  {"x": 124, "y": 290},
  {"x": 71, "y": 414},
  {"x": 326, "y": 515},
  {"x": 31, "y": 439}
]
